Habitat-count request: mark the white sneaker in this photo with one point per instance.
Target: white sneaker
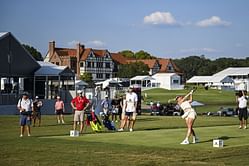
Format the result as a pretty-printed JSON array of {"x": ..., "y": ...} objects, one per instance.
[
  {"x": 59, "y": 122},
  {"x": 21, "y": 135},
  {"x": 185, "y": 142},
  {"x": 195, "y": 140},
  {"x": 121, "y": 129},
  {"x": 131, "y": 130},
  {"x": 63, "y": 122},
  {"x": 245, "y": 127},
  {"x": 29, "y": 135}
]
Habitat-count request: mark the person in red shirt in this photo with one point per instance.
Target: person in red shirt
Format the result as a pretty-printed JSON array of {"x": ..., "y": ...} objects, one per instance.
[{"x": 79, "y": 104}]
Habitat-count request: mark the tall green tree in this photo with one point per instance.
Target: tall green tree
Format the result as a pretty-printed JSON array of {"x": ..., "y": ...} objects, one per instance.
[
  {"x": 133, "y": 69},
  {"x": 34, "y": 52}
]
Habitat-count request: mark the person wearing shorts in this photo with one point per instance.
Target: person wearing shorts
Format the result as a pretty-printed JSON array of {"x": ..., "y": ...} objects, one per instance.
[
  {"x": 189, "y": 115},
  {"x": 130, "y": 110},
  {"x": 59, "y": 110},
  {"x": 242, "y": 109},
  {"x": 79, "y": 104},
  {"x": 25, "y": 106}
]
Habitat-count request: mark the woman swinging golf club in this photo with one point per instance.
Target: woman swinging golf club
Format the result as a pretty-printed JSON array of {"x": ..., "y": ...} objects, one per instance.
[{"x": 189, "y": 115}]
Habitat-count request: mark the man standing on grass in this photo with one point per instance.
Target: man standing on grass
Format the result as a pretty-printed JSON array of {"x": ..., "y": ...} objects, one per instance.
[
  {"x": 25, "y": 106},
  {"x": 131, "y": 110},
  {"x": 79, "y": 104},
  {"x": 243, "y": 114}
]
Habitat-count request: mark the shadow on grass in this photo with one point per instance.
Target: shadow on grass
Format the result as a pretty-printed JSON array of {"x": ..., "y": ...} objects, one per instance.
[{"x": 222, "y": 138}]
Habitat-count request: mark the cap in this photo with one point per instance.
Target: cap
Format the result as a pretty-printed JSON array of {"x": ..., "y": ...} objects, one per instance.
[
  {"x": 106, "y": 96},
  {"x": 79, "y": 91},
  {"x": 37, "y": 97},
  {"x": 58, "y": 97},
  {"x": 130, "y": 87}
]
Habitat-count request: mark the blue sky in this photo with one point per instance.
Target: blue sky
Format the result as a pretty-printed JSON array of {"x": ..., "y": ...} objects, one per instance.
[{"x": 164, "y": 28}]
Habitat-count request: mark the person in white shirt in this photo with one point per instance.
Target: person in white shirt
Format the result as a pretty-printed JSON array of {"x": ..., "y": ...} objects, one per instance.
[
  {"x": 130, "y": 109},
  {"x": 189, "y": 115},
  {"x": 25, "y": 106},
  {"x": 242, "y": 109}
]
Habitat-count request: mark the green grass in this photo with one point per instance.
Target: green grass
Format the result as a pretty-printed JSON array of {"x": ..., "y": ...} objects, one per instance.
[
  {"x": 155, "y": 141},
  {"x": 213, "y": 99}
]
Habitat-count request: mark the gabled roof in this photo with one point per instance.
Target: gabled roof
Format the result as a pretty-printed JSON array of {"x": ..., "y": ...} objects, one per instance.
[
  {"x": 85, "y": 54},
  {"x": 117, "y": 57},
  {"x": 151, "y": 63},
  {"x": 66, "y": 52},
  {"x": 15, "y": 59},
  {"x": 164, "y": 65}
]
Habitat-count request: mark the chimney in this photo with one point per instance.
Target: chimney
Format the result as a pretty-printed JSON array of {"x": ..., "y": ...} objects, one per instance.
[
  {"x": 51, "y": 48},
  {"x": 78, "y": 51}
]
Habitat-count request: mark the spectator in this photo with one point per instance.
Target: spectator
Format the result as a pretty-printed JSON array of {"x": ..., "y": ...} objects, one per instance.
[
  {"x": 25, "y": 106},
  {"x": 105, "y": 104},
  {"x": 37, "y": 111},
  {"x": 59, "y": 110},
  {"x": 80, "y": 103},
  {"x": 242, "y": 111},
  {"x": 115, "y": 108},
  {"x": 131, "y": 109}
]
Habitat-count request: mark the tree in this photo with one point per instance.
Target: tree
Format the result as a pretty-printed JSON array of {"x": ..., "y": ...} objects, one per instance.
[
  {"x": 138, "y": 55},
  {"x": 133, "y": 69},
  {"x": 34, "y": 52},
  {"x": 143, "y": 55},
  {"x": 127, "y": 53},
  {"x": 87, "y": 77}
]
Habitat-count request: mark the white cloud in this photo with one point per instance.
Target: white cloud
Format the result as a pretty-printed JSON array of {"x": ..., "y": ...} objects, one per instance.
[
  {"x": 96, "y": 44},
  {"x": 213, "y": 21},
  {"x": 160, "y": 18},
  {"x": 72, "y": 43},
  {"x": 199, "y": 50}
]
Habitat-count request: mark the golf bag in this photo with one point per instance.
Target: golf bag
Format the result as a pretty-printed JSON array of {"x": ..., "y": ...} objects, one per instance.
[
  {"x": 94, "y": 122},
  {"x": 107, "y": 123}
]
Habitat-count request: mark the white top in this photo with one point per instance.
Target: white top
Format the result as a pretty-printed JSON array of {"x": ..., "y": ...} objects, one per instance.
[
  {"x": 242, "y": 101},
  {"x": 185, "y": 105},
  {"x": 25, "y": 104},
  {"x": 131, "y": 99}
]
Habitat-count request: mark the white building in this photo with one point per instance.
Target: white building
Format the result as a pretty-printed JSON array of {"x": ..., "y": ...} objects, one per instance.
[
  {"x": 233, "y": 78},
  {"x": 170, "y": 81}
]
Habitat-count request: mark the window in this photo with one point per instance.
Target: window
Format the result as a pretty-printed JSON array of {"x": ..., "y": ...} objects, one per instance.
[
  {"x": 99, "y": 64},
  {"x": 107, "y": 65},
  {"x": 175, "y": 81},
  {"x": 169, "y": 68},
  {"x": 107, "y": 76},
  {"x": 57, "y": 63},
  {"x": 99, "y": 75},
  {"x": 93, "y": 64},
  {"x": 88, "y": 64},
  {"x": 81, "y": 64}
]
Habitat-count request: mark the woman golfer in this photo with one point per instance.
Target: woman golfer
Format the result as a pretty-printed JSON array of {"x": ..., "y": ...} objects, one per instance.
[{"x": 189, "y": 115}]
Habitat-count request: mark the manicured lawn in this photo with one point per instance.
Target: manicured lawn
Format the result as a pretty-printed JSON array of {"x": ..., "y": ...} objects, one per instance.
[
  {"x": 213, "y": 99},
  {"x": 155, "y": 141}
]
